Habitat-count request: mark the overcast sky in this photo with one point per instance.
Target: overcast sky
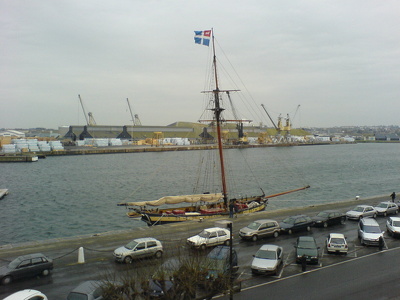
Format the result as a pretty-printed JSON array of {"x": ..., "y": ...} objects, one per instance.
[{"x": 339, "y": 60}]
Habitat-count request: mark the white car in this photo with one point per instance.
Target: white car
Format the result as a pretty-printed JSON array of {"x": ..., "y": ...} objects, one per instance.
[
  {"x": 267, "y": 260},
  {"x": 385, "y": 208},
  {"x": 27, "y": 295},
  {"x": 210, "y": 237},
  {"x": 361, "y": 211},
  {"x": 393, "y": 226},
  {"x": 336, "y": 243}
]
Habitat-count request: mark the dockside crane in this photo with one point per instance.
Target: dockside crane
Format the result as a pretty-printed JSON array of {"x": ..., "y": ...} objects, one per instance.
[
  {"x": 135, "y": 118},
  {"x": 90, "y": 121}
]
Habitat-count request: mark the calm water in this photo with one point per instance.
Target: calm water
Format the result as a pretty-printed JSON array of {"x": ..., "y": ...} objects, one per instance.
[{"x": 75, "y": 195}]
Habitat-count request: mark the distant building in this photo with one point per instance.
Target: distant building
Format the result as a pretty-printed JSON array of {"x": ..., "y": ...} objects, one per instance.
[{"x": 12, "y": 133}]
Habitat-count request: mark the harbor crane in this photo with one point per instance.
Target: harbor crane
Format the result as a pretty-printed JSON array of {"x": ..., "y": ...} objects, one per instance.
[
  {"x": 135, "y": 118},
  {"x": 90, "y": 121}
]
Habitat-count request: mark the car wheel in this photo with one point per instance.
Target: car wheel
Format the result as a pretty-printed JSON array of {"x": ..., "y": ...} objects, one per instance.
[
  {"x": 276, "y": 234},
  {"x": 158, "y": 254},
  {"x": 325, "y": 224},
  {"x": 396, "y": 212},
  {"x": 309, "y": 228},
  {"x": 203, "y": 247},
  {"x": 343, "y": 221},
  {"x": 254, "y": 238},
  {"x": 128, "y": 260},
  {"x": 6, "y": 280},
  {"x": 45, "y": 272},
  {"x": 384, "y": 214},
  {"x": 227, "y": 242},
  {"x": 290, "y": 231},
  {"x": 362, "y": 242},
  {"x": 374, "y": 216}
]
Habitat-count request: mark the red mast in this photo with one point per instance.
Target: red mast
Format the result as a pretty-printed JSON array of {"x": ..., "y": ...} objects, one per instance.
[{"x": 217, "y": 113}]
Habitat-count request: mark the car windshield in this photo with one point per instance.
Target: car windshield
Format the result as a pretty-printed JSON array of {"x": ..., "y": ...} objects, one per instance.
[
  {"x": 254, "y": 225},
  {"x": 131, "y": 245},
  {"x": 382, "y": 205},
  {"x": 289, "y": 220},
  {"x": 204, "y": 234},
  {"x": 306, "y": 245},
  {"x": 396, "y": 223},
  {"x": 14, "y": 264},
  {"x": 266, "y": 254},
  {"x": 77, "y": 296},
  {"x": 323, "y": 214},
  {"x": 337, "y": 241},
  {"x": 372, "y": 229},
  {"x": 358, "y": 208}
]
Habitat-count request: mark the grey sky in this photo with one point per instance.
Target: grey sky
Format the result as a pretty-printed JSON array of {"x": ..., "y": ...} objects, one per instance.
[{"x": 339, "y": 60}]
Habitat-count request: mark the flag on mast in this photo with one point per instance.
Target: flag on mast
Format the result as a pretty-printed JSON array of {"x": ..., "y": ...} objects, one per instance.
[{"x": 202, "y": 37}]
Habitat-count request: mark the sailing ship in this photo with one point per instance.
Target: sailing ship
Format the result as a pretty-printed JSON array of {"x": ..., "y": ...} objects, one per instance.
[{"x": 207, "y": 205}]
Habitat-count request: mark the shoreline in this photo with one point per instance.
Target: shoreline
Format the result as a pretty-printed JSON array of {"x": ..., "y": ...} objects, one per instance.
[{"x": 110, "y": 236}]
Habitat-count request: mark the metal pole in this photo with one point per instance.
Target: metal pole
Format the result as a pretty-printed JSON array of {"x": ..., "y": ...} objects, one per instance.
[{"x": 230, "y": 262}]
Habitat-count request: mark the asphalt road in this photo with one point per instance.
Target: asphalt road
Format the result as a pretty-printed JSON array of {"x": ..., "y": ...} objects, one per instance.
[{"x": 99, "y": 262}]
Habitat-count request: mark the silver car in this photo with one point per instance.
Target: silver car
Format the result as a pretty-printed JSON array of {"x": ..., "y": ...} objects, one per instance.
[
  {"x": 385, "y": 208},
  {"x": 267, "y": 260},
  {"x": 369, "y": 232},
  {"x": 139, "y": 248},
  {"x": 90, "y": 290},
  {"x": 259, "y": 229},
  {"x": 361, "y": 211}
]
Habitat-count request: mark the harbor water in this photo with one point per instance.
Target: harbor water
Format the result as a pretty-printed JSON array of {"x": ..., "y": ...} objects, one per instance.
[{"x": 77, "y": 195}]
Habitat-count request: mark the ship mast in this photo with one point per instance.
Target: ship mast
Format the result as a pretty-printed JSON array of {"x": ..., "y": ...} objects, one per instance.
[{"x": 217, "y": 113}]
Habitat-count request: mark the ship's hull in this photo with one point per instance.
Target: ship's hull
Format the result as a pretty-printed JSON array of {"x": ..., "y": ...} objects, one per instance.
[{"x": 163, "y": 218}]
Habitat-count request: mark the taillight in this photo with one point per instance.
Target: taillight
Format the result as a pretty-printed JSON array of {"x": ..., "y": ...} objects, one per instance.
[
  {"x": 329, "y": 244},
  {"x": 345, "y": 246}
]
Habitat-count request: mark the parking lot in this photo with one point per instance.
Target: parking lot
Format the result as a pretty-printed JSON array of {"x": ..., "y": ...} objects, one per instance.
[{"x": 99, "y": 248}]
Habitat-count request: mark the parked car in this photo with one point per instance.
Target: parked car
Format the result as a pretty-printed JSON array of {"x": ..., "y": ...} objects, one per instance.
[
  {"x": 162, "y": 282},
  {"x": 27, "y": 295},
  {"x": 259, "y": 229},
  {"x": 369, "y": 232},
  {"x": 329, "y": 217},
  {"x": 26, "y": 266},
  {"x": 88, "y": 290},
  {"x": 139, "y": 248},
  {"x": 336, "y": 243},
  {"x": 307, "y": 246},
  {"x": 218, "y": 262},
  {"x": 385, "y": 208},
  {"x": 210, "y": 237},
  {"x": 296, "y": 223},
  {"x": 267, "y": 260},
  {"x": 393, "y": 226},
  {"x": 361, "y": 211}
]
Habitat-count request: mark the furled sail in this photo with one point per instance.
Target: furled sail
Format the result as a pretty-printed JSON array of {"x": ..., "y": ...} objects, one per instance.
[{"x": 209, "y": 198}]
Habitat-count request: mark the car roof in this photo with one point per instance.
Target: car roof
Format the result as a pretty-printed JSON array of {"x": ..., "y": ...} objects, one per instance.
[
  {"x": 264, "y": 221},
  {"x": 33, "y": 255},
  {"x": 369, "y": 221},
  {"x": 87, "y": 287},
  {"x": 219, "y": 252},
  {"x": 146, "y": 239},
  {"x": 363, "y": 205},
  {"x": 336, "y": 235},
  {"x": 395, "y": 218},
  {"x": 269, "y": 247},
  {"x": 386, "y": 202},
  {"x": 214, "y": 229},
  {"x": 23, "y": 294},
  {"x": 297, "y": 216},
  {"x": 306, "y": 238},
  {"x": 330, "y": 210}
]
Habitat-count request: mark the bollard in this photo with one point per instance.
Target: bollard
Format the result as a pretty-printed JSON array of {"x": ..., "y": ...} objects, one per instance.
[{"x": 81, "y": 256}]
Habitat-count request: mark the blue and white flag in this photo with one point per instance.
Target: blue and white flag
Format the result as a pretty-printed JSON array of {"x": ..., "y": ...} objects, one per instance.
[{"x": 202, "y": 37}]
